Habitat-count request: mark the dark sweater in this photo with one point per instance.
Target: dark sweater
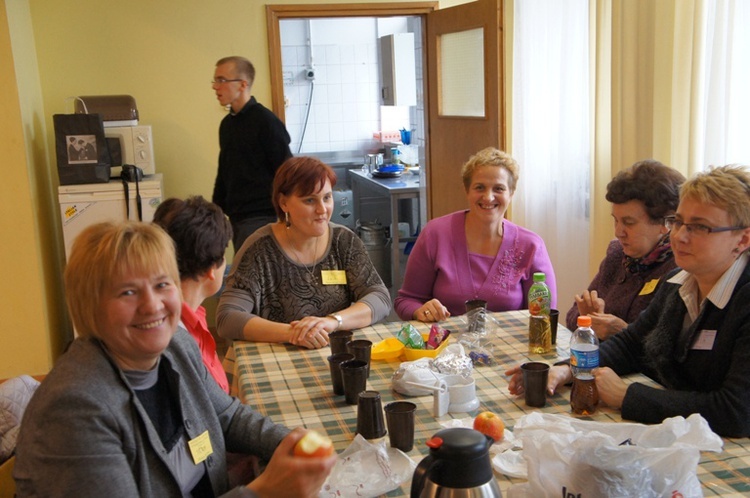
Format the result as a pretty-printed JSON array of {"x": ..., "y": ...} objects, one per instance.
[
  {"x": 254, "y": 143},
  {"x": 714, "y": 383},
  {"x": 620, "y": 288}
]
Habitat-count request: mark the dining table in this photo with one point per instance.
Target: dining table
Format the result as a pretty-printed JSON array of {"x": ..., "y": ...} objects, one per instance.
[{"x": 293, "y": 386}]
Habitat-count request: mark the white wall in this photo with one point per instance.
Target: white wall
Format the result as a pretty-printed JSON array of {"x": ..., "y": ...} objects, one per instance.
[{"x": 345, "y": 109}]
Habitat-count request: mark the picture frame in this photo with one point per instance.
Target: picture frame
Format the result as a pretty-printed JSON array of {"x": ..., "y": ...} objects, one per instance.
[{"x": 81, "y": 149}]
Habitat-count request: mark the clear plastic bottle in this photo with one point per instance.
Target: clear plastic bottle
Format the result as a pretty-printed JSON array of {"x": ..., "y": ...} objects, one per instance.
[
  {"x": 584, "y": 358},
  {"x": 540, "y": 333}
]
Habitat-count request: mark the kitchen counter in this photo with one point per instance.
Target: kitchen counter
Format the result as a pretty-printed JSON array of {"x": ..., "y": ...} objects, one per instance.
[{"x": 367, "y": 190}]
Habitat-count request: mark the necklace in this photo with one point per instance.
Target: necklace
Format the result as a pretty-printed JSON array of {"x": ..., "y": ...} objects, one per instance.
[{"x": 312, "y": 278}]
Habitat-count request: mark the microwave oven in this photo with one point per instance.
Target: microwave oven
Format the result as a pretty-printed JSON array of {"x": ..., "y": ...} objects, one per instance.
[{"x": 130, "y": 145}]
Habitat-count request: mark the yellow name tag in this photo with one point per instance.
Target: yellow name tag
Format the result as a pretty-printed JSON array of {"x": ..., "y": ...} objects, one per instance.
[
  {"x": 649, "y": 287},
  {"x": 200, "y": 447},
  {"x": 333, "y": 277}
]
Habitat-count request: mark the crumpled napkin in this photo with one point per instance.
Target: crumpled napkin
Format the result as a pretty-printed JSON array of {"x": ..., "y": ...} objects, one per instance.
[{"x": 367, "y": 469}]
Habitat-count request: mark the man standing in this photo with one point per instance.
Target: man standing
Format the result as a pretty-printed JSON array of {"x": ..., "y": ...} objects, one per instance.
[{"x": 253, "y": 143}]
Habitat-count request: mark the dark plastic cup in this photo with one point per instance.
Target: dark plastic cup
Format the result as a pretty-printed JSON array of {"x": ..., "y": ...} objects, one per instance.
[
  {"x": 370, "y": 415},
  {"x": 473, "y": 304},
  {"x": 554, "y": 317},
  {"x": 535, "y": 383},
  {"x": 361, "y": 349},
  {"x": 354, "y": 375},
  {"x": 399, "y": 416},
  {"x": 338, "y": 339},
  {"x": 334, "y": 363}
]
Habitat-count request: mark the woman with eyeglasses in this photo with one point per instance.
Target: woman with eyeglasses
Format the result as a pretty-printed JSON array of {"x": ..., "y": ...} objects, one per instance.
[
  {"x": 694, "y": 337},
  {"x": 630, "y": 273}
]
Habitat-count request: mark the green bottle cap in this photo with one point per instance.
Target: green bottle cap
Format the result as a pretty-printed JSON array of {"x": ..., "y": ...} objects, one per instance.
[{"x": 539, "y": 277}]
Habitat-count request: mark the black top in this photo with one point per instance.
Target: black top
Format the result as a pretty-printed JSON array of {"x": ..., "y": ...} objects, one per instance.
[{"x": 254, "y": 143}]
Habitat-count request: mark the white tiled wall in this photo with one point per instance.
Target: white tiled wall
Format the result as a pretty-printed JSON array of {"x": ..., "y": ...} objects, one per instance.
[
  {"x": 345, "y": 107},
  {"x": 345, "y": 93}
]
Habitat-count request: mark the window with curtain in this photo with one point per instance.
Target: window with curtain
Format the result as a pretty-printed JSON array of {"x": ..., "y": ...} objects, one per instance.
[
  {"x": 726, "y": 73},
  {"x": 551, "y": 138}
]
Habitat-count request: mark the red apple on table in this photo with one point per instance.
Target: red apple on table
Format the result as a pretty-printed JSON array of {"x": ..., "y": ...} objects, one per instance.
[
  {"x": 490, "y": 424},
  {"x": 314, "y": 444}
]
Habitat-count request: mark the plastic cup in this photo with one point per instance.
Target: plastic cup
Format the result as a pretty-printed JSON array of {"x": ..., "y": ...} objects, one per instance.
[
  {"x": 361, "y": 349},
  {"x": 334, "y": 363},
  {"x": 476, "y": 314},
  {"x": 554, "y": 316},
  {"x": 535, "y": 383},
  {"x": 370, "y": 415},
  {"x": 399, "y": 416},
  {"x": 354, "y": 376},
  {"x": 473, "y": 304},
  {"x": 338, "y": 339}
]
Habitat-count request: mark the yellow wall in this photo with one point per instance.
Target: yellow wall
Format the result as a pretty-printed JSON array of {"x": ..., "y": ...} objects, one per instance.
[
  {"x": 27, "y": 339},
  {"x": 162, "y": 53}
]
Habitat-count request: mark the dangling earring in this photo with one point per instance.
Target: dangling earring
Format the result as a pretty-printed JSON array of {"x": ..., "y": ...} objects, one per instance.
[{"x": 286, "y": 220}]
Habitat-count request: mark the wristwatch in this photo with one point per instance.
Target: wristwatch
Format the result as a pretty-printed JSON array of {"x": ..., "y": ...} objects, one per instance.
[{"x": 338, "y": 318}]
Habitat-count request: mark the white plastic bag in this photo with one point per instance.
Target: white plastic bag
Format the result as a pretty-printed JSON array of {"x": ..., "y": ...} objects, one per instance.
[
  {"x": 367, "y": 469},
  {"x": 576, "y": 458}
]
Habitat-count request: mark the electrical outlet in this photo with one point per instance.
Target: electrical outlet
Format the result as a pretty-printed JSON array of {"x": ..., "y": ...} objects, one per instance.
[{"x": 288, "y": 77}]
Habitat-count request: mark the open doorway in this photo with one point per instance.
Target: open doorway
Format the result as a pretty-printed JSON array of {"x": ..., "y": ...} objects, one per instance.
[{"x": 333, "y": 89}]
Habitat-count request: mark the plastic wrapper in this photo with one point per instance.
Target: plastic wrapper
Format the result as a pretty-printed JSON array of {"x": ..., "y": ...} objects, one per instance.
[
  {"x": 590, "y": 458},
  {"x": 479, "y": 347},
  {"x": 453, "y": 361},
  {"x": 410, "y": 337},
  {"x": 408, "y": 378},
  {"x": 416, "y": 378},
  {"x": 437, "y": 336},
  {"x": 367, "y": 469}
]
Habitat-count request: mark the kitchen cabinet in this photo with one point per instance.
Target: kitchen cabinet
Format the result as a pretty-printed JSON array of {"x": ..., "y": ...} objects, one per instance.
[{"x": 397, "y": 70}]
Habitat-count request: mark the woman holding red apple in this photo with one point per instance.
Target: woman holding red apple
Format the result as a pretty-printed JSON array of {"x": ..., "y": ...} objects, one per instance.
[{"x": 130, "y": 409}]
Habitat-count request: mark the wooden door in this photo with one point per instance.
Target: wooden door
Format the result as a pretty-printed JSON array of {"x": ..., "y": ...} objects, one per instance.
[{"x": 465, "y": 95}]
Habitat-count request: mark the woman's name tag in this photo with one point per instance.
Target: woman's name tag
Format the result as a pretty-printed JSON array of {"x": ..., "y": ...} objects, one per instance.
[
  {"x": 333, "y": 277},
  {"x": 648, "y": 287},
  {"x": 200, "y": 447}
]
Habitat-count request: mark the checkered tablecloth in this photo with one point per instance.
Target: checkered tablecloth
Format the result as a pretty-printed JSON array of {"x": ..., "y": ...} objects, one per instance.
[{"x": 293, "y": 386}]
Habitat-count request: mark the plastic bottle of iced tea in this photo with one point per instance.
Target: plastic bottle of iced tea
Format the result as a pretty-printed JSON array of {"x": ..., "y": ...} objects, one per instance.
[
  {"x": 584, "y": 358},
  {"x": 540, "y": 334}
]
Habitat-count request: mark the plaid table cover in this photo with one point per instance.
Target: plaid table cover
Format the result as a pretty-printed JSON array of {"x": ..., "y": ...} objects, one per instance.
[{"x": 293, "y": 386}]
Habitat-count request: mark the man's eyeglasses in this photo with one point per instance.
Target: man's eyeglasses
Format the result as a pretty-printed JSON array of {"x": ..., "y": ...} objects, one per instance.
[
  {"x": 221, "y": 81},
  {"x": 674, "y": 224}
]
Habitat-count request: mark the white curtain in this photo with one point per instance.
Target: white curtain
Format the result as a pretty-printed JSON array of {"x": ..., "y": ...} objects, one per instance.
[
  {"x": 725, "y": 77},
  {"x": 551, "y": 133}
]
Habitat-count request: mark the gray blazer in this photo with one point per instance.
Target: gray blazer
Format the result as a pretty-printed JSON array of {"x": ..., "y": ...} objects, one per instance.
[{"x": 85, "y": 433}]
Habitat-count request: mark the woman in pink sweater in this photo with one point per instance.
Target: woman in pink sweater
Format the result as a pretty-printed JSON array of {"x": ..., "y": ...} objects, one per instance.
[{"x": 475, "y": 254}]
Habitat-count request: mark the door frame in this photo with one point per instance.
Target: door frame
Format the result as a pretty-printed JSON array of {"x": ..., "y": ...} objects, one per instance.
[{"x": 274, "y": 13}]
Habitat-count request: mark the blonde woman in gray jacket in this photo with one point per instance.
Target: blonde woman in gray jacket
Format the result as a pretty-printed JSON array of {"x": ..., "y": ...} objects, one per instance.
[{"x": 130, "y": 410}]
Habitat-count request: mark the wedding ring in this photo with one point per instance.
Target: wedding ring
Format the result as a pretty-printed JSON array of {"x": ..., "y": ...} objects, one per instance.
[{"x": 426, "y": 312}]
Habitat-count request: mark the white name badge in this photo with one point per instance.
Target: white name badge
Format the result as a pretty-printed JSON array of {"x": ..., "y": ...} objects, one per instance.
[{"x": 705, "y": 341}]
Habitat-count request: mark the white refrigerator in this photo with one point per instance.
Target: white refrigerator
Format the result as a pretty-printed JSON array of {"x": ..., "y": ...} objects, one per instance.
[{"x": 84, "y": 205}]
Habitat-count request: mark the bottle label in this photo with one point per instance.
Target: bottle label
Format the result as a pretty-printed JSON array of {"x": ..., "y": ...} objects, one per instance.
[
  {"x": 585, "y": 358},
  {"x": 539, "y": 300}
]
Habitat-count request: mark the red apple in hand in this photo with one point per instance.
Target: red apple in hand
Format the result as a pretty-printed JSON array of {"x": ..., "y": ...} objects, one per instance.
[
  {"x": 490, "y": 425},
  {"x": 313, "y": 444}
]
